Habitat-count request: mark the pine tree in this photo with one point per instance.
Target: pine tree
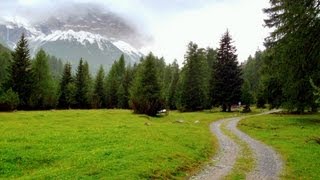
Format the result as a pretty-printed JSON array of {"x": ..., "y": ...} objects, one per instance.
[
  {"x": 89, "y": 85},
  {"x": 272, "y": 87},
  {"x": 227, "y": 76},
  {"x": 114, "y": 80},
  {"x": 55, "y": 66},
  {"x": 212, "y": 60},
  {"x": 21, "y": 76},
  {"x": 82, "y": 83},
  {"x": 195, "y": 80},
  {"x": 145, "y": 95},
  {"x": 211, "y": 55},
  {"x": 9, "y": 100},
  {"x": 122, "y": 98},
  {"x": 295, "y": 46},
  {"x": 99, "y": 91},
  {"x": 111, "y": 86},
  {"x": 246, "y": 96},
  {"x": 44, "y": 93},
  {"x": 121, "y": 95},
  {"x": 5, "y": 63},
  {"x": 127, "y": 82},
  {"x": 173, "y": 86},
  {"x": 67, "y": 93},
  {"x": 163, "y": 73}
]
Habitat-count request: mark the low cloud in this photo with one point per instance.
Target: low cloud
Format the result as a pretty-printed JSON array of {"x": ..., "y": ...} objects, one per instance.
[{"x": 171, "y": 23}]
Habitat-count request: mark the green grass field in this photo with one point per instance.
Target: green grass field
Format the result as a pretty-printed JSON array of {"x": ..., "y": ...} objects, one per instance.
[
  {"x": 111, "y": 144},
  {"x": 295, "y": 137}
]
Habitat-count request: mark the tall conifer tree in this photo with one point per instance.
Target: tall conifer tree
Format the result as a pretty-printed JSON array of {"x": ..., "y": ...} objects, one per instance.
[
  {"x": 145, "y": 95},
  {"x": 43, "y": 92},
  {"x": 82, "y": 83},
  {"x": 99, "y": 91},
  {"x": 295, "y": 49},
  {"x": 227, "y": 77},
  {"x": 5, "y": 63},
  {"x": 195, "y": 80},
  {"x": 114, "y": 84},
  {"x": 173, "y": 86},
  {"x": 66, "y": 97},
  {"x": 21, "y": 76}
]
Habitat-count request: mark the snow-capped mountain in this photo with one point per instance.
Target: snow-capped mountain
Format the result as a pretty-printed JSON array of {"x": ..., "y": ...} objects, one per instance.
[{"x": 96, "y": 36}]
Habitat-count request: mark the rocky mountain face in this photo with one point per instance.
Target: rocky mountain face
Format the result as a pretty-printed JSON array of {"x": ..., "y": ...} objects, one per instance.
[{"x": 91, "y": 33}]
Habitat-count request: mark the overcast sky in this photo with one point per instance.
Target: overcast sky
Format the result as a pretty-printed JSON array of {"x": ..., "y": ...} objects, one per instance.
[{"x": 174, "y": 23}]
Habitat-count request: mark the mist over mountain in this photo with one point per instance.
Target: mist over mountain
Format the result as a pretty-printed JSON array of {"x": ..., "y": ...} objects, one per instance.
[{"x": 82, "y": 30}]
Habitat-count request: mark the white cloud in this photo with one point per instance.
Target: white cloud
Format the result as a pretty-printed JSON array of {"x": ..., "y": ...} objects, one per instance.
[
  {"x": 28, "y": 2},
  {"x": 174, "y": 23},
  {"x": 204, "y": 26}
]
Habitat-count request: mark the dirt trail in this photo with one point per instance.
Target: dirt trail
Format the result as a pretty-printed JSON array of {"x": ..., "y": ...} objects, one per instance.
[
  {"x": 268, "y": 162},
  {"x": 226, "y": 157}
]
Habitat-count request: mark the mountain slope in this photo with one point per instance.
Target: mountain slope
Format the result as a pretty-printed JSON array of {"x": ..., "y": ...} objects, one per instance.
[
  {"x": 4, "y": 49},
  {"x": 97, "y": 36}
]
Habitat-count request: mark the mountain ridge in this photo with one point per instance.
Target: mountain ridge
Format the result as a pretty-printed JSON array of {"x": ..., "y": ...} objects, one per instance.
[{"x": 78, "y": 39}]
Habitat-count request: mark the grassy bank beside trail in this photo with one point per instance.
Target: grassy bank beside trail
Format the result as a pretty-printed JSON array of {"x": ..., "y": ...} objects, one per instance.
[
  {"x": 111, "y": 144},
  {"x": 295, "y": 137}
]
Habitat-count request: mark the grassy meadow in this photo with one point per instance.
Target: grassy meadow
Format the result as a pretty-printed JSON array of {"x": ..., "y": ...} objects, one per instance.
[
  {"x": 295, "y": 137},
  {"x": 111, "y": 144}
]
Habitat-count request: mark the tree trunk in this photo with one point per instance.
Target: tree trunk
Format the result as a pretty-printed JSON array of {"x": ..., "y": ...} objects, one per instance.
[
  {"x": 224, "y": 108},
  {"x": 314, "y": 108},
  {"x": 229, "y": 108},
  {"x": 300, "y": 110}
]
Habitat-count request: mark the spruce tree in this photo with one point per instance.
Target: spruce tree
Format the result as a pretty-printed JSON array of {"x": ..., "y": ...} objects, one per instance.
[
  {"x": 44, "y": 93},
  {"x": 55, "y": 66},
  {"x": 295, "y": 46},
  {"x": 89, "y": 85},
  {"x": 272, "y": 86},
  {"x": 195, "y": 80},
  {"x": 145, "y": 92},
  {"x": 173, "y": 86},
  {"x": 212, "y": 60},
  {"x": 127, "y": 82},
  {"x": 99, "y": 91},
  {"x": 9, "y": 100},
  {"x": 66, "y": 97},
  {"x": 114, "y": 81},
  {"x": 111, "y": 86},
  {"x": 5, "y": 63},
  {"x": 21, "y": 76},
  {"x": 246, "y": 96},
  {"x": 252, "y": 88},
  {"x": 163, "y": 73},
  {"x": 227, "y": 77},
  {"x": 122, "y": 97},
  {"x": 82, "y": 83}
]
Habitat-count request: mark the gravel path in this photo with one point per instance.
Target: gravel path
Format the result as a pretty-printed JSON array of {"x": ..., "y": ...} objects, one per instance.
[
  {"x": 268, "y": 161},
  {"x": 226, "y": 157}
]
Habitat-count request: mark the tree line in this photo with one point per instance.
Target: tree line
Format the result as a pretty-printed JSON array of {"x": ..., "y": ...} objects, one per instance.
[
  {"x": 286, "y": 74},
  {"x": 145, "y": 87}
]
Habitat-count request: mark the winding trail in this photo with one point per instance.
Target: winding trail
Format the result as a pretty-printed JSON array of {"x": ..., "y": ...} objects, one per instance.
[
  {"x": 268, "y": 162},
  {"x": 226, "y": 157}
]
